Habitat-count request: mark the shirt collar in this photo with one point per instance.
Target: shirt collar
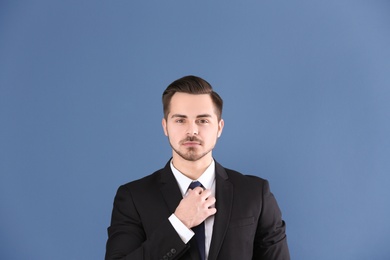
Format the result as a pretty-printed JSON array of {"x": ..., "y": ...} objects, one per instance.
[{"x": 207, "y": 178}]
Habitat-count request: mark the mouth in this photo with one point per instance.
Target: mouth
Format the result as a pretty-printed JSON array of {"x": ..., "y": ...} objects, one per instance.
[{"x": 191, "y": 143}]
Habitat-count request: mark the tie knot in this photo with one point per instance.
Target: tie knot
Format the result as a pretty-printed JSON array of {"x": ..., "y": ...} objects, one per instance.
[{"x": 195, "y": 184}]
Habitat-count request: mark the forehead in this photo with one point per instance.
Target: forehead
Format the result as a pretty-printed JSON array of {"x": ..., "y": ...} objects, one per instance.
[{"x": 191, "y": 104}]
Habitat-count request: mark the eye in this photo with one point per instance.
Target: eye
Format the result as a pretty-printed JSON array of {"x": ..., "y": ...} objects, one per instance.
[
  {"x": 180, "y": 121},
  {"x": 203, "y": 121}
]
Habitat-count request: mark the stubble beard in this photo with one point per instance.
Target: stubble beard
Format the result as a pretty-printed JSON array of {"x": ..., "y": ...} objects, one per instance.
[{"x": 191, "y": 154}]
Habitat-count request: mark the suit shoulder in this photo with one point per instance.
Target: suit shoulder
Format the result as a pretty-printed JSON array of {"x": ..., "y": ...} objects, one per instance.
[
  {"x": 247, "y": 186},
  {"x": 146, "y": 181},
  {"x": 244, "y": 177},
  {"x": 245, "y": 181}
]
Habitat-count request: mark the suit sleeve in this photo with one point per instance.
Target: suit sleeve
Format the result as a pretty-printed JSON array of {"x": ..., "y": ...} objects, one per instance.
[
  {"x": 270, "y": 241},
  {"x": 127, "y": 238}
]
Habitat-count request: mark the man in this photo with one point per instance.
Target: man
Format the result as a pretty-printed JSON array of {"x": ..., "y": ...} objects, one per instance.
[{"x": 229, "y": 216}]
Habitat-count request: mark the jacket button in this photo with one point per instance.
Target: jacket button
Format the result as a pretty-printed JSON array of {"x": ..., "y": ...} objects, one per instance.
[{"x": 173, "y": 251}]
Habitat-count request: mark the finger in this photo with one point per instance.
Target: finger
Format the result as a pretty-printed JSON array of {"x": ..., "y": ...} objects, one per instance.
[
  {"x": 210, "y": 202},
  {"x": 193, "y": 192},
  {"x": 211, "y": 211},
  {"x": 198, "y": 190},
  {"x": 206, "y": 194}
]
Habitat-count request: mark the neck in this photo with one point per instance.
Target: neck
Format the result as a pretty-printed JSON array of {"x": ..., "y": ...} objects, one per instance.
[{"x": 192, "y": 169}]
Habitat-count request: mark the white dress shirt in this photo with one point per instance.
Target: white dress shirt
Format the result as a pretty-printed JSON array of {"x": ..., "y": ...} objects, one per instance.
[{"x": 207, "y": 179}]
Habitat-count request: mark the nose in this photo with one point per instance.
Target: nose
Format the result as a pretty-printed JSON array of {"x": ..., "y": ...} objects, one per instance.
[{"x": 192, "y": 129}]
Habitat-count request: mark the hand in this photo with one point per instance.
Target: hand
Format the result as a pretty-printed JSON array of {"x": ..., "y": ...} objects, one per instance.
[{"x": 195, "y": 207}]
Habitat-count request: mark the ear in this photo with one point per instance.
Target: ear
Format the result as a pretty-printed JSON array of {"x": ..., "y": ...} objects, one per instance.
[
  {"x": 221, "y": 124},
  {"x": 164, "y": 126}
]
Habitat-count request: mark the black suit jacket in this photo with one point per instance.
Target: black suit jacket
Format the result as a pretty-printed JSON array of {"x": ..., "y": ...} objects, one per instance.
[{"x": 247, "y": 225}]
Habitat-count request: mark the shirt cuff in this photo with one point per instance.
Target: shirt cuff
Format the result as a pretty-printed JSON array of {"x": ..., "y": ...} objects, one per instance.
[{"x": 185, "y": 233}]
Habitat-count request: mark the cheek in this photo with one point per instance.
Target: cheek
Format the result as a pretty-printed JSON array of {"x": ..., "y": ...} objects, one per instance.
[
  {"x": 211, "y": 137},
  {"x": 172, "y": 133}
]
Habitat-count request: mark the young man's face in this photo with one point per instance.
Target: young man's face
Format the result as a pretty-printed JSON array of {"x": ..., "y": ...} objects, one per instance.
[{"x": 192, "y": 126}]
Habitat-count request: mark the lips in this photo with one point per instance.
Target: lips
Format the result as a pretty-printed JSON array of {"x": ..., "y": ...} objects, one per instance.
[{"x": 191, "y": 143}]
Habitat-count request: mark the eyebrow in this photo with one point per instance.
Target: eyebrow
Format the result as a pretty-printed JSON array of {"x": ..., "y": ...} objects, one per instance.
[
  {"x": 178, "y": 115},
  {"x": 184, "y": 116},
  {"x": 203, "y": 115}
]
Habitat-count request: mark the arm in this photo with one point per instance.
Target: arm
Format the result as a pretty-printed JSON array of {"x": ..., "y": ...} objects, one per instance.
[
  {"x": 127, "y": 238},
  {"x": 270, "y": 240}
]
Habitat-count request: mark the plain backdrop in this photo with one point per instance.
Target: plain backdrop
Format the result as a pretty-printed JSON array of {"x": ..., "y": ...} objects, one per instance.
[{"x": 306, "y": 86}]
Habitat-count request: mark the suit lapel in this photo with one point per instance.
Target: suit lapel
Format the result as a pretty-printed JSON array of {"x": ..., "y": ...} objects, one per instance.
[
  {"x": 224, "y": 196},
  {"x": 172, "y": 196},
  {"x": 169, "y": 188}
]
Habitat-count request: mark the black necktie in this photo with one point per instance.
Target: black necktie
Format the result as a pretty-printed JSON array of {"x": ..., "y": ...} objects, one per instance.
[{"x": 199, "y": 230}]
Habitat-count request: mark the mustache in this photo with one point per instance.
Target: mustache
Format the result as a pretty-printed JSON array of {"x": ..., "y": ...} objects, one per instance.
[{"x": 192, "y": 139}]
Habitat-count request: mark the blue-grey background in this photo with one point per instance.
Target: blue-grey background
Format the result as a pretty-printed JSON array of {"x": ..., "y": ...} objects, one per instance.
[{"x": 306, "y": 86}]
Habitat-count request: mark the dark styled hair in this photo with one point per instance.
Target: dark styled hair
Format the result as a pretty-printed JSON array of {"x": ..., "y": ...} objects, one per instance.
[{"x": 191, "y": 85}]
